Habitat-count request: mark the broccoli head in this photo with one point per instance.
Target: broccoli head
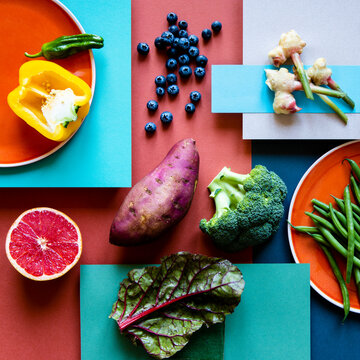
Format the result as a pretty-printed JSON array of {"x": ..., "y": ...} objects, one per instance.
[{"x": 249, "y": 208}]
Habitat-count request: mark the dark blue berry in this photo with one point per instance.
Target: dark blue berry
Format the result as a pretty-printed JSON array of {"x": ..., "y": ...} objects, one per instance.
[
  {"x": 166, "y": 117},
  {"x": 183, "y": 24},
  {"x": 171, "y": 18},
  {"x": 216, "y": 26},
  {"x": 193, "y": 51},
  {"x": 150, "y": 127},
  {"x": 199, "y": 72},
  {"x": 184, "y": 44},
  {"x": 172, "y": 52},
  {"x": 193, "y": 39},
  {"x": 173, "y": 90},
  {"x": 183, "y": 33},
  {"x": 195, "y": 96},
  {"x": 159, "y": 43},
  {"x": 206, "y": 34},
  {"x": 143, "y": 48},
  {"x": 171, "y": 79},
  {"x": 160, "y": 80},
  {"x": 171, "y": 64},
  {"x": 152, "y": 105},
  {"x": 184, "y": 59},
  {"x": 167, "y": 37},
  {"x": 190, "y": 108},
  {"x": 201, "y": 60},
  {"x": 160, "y": 91},
  {"x": 175, "y": 43},
  {"x": 185, "y": 71},
  {"x": 174, "y": 30}
]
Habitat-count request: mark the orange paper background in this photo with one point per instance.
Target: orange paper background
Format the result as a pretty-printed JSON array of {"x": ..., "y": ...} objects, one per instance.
[{"x": 42, "y": 320}]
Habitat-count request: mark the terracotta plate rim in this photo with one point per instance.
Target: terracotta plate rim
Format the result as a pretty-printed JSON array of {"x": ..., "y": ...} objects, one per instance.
[
  {"x": 93, "y": 81},
  {"x": 319, "y": 291}
]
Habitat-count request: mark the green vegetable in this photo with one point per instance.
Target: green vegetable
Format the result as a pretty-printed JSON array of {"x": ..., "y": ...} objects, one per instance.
[
  {"x": 354, "y": 168},
  {"x": 160, "y": 307},
  {"x": 351, "y": 233},
  {"x": 65, "y": 46},
  {"x": 249, "y": 208}
]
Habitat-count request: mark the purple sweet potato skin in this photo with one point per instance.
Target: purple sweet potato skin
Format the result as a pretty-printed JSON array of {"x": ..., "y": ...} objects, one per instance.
[{"x": 159, "y": 200}]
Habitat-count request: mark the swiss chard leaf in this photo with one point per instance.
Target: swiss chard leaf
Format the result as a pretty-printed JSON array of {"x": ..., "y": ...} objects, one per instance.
[{"x": 161, "y": 306}]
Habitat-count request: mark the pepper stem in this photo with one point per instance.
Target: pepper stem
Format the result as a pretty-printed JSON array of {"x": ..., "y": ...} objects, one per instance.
[
  {"x": 335, "y": 86},
  {"x": 34, "y": 55},
  {"x": 327, "y": 101},
  {"x": 302, "y": 75}
]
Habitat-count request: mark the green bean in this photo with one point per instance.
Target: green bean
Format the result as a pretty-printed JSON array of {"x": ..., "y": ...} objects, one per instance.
[
  {"x": 337, "y": 223},
  {"x": 354, "y": 167},
  {"x": 355, "y": 189},
  {"x": 321, "y": 211},
  {"x": 340, "y": 279},
  {"x": 305, "y": 229},
  {"x": 351, "y": 233},
  {"x": 323, "y": 222},
  {"x": 341, "y": 205},
  {"x": 357, "y": 280},
  {"x": 320, "y": 204},
  {"x": 320, "y": 239},
  {"x": 355, "y": 208}
]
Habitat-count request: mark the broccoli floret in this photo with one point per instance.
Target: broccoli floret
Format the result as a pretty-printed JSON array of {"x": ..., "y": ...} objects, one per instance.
[{"x": 249, "y": 208}]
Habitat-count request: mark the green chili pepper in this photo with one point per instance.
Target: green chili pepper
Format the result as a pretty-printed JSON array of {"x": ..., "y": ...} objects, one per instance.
[{"x": 65, "y": 46}]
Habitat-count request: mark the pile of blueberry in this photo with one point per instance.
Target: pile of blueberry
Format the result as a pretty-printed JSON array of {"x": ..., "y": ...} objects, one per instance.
[{"x": 181, "y": 49}]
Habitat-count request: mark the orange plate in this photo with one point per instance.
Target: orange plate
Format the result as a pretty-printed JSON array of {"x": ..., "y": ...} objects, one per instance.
[
  {"x": 25, "y": 26},
  {"x": 326, "y": 176}
]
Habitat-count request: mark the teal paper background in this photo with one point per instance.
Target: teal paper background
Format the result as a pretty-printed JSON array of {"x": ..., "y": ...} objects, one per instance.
[
  {"x": 99, "y": 155},
  {"x": 272, "y": 321},
  {"x": 242, "y": 89}
]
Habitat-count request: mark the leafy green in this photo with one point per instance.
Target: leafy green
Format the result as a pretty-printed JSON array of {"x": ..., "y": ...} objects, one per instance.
[{"x": 160, "y": 307}]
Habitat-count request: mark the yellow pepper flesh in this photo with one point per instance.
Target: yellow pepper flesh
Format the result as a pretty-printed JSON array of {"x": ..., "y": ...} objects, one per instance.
[{"x": 36, "y": 80}]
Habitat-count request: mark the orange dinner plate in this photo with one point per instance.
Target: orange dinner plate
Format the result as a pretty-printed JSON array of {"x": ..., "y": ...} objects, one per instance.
[
  {"x": 24, "y": 26},
  {"x": 328, "y": 175}
]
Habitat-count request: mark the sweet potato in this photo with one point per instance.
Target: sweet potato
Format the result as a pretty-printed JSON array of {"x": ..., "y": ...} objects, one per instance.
[{"x": 160, "y": 200}]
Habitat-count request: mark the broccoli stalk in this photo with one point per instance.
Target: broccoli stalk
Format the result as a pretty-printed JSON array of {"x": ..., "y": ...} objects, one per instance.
[{"x": 248, "y": 208}]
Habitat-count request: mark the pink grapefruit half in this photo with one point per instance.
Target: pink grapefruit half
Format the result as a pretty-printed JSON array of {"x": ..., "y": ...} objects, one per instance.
[{"x": 43, "y": 244}]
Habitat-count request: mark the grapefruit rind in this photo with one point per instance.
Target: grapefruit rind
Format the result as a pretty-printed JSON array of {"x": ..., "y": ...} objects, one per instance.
[{"x": 44, "y": 277}]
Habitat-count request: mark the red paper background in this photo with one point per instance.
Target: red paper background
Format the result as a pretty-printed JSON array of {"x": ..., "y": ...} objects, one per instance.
[{"x": 41, "y": 320}]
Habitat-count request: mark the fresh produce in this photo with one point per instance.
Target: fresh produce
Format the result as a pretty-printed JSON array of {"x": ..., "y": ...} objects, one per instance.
[
  {"x": 185, "y": 71},
  {"x": 201, "y": 60},
  {"x": 152, "y": 105},
  {"x": 43, "y": 244},
  {"x": 160, "y": 307},
  {"x": 173, "y": 90},
  {"x": 193, "y": 52},
  {"x": 171, "y": 64},
  {"x": 174, "y": 30},
  {"x": 143, "y": 48},
  {"x": 206, "y": 34},
  {"x": 50, "y": 99},
  {"x": 183, "y": 34},
  {"x": 183, "y": 24},
  {"x": 193, "y": 40},
  {"x": 184, "y": 59},
  {"x": 160, "y": 200},
  {"x": 199, "y": 72},
  {"x": 160, "y": 80},
  {"x": 159, "y": 44},
  {"x": 249, "y": 208},
  {"x": 171, "y": 79},
  {"x": 160, "y": 91},
  {"x": 166, "y": 117},
  {"x": 171, "y": 18},
  {"x": 216, "y": 26},
  {"x": 150, "y": 127},
  {"x": 65, "y": 46},
  {"x": 339, "y": 231},
  {"x": 167, "y": 38},
  {"x": 190, "y": 108},
  {"x": 195, "y": 96},
  {"x": 291, "y": 45}
]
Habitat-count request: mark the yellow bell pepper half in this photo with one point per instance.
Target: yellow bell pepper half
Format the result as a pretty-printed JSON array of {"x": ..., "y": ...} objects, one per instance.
[{"x": 39, "y": 82}]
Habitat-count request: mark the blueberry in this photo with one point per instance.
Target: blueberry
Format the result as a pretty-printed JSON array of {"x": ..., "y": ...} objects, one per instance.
[
  {"x": 174, "y": 30},
  {"x": 150, "y": 127},
  {"x": 152, "y": 105},
  {"x": 171, "y": 79},
  {"x": 143, "y": 48},
  {"x": 171, "y": 64},
  {"x": 175, "y": 43},
  {"x": 190, "y": 108},
  {"x": 184, "y": 44},
  {"x": 201, "y": 60},
  {"x": 195, "y": 96},
  {"x": 160, "y": 91},
  {"x": 171, "y": 18},
  {"x": 173, "y": 90},
  {"x": 166, "y": 117},
  {"x": 160, "y": 80},
  {"x": 185, "y": 71},
  {"x": 206, "y": 34},
  {"x": 159, "y": 43},
  {"x": 172, "y": 52},
  {"x": 183, "y": 33},
  {"x": 193, "y": 51},
  {"x": 216, "y": 26},
  {"x": 184, "y": 59},
  {"x": 193, "y": 39},
  {"x": 199, "y": 72},
  {"x": 167, "y": 37},
  {"x": 183, "y": 24}
]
